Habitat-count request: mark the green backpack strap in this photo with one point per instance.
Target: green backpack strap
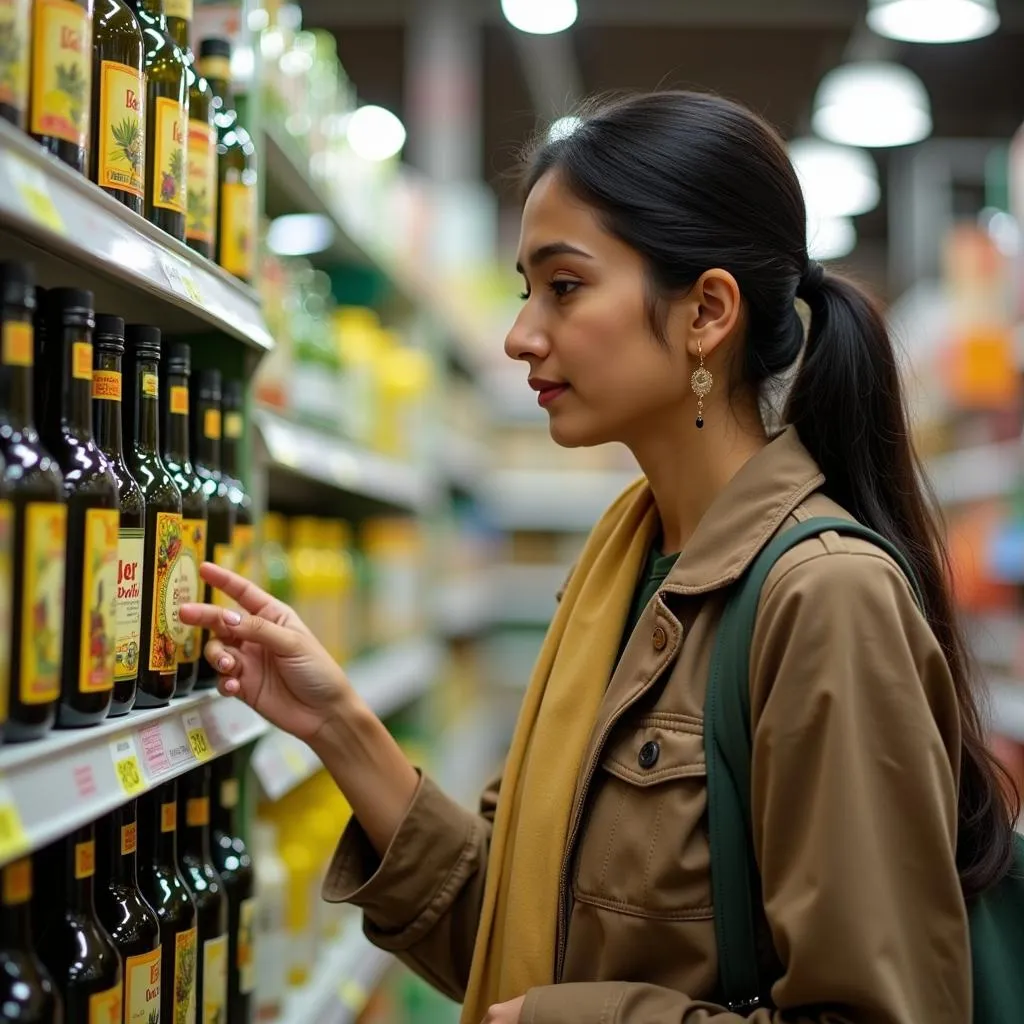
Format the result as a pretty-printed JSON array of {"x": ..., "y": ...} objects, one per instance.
[{"x": 727, "y": 745}]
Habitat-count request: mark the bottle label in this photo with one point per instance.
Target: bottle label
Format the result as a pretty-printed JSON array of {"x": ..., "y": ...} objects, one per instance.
[
  {"x": 17, "y": 341},
  {"x": 243, "y": 540},
  {"x": 81, "y": 360},
  {"x": 179, "y": 400},
  {"x": 6, "y": 601},
  {"x": 105, "y": 1007},
  {"x": 229, "y": 794},
  {"x": 216, "y": 68},
  {"x": 151, "y": 385},
  {"x": 85, "y": 859},
  {"x": 215, "y": 980},
  {"x": 178, "y": 9},
  {"x": 106, "y": 385},
  {"x": 197, "y": 811},
  {"x": 129, "y": 838},
  {"x": 42, "y": 609},
  {"x": 99, "y": 601},
  {"x": 170, "y": 587},
  {"x": 14, "y": 21},
  {"x": 122, "y": 141},
  {"x": 246, "y": 956},
  {"x": 224, "y": 556},
  {"x": 62, "y": 71},
  {"x": 193, "y": 551},
  {"x": 170, "y": 147},
  {"x": 185, "y": 977},
  {"x": 237, "y": 228},
  {"x": 131, "y": 552},
  {"x": 169, "y": 817},
  {"x": 142, "y": 988},
  {"x": 17, "y": 882},
  {"x": 202, "y": 181},
  {"x": 211, "y": 424},
  {"x": 233, "y": 424}
]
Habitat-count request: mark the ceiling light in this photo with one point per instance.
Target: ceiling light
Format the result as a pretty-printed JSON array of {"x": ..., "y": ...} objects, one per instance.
[
  {"x": 563, "y": 127},
  {"x": 872, "y": 103},
  {"x": 375, "y": 133},
  {"x": 837, "y": 181},
  {"x": 300, "y": 234},
  {"x": 933, "y": 21},
  {"x": 540, "y": 17},
  {"x": 830, "y": 238}
]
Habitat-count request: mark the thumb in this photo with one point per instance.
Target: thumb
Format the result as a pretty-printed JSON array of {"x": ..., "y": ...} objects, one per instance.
[{"x": 277, "y": 639}]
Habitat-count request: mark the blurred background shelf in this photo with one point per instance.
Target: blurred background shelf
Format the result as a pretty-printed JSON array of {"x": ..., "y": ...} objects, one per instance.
[{"x": 552, "y": 499}]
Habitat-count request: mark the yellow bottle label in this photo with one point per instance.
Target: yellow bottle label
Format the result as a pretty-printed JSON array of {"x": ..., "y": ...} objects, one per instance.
[
  {"x": 42, "y": 609},
  {"x": 224, "y": 556},
  {"x": 237, "y": 228},
  {"x": 81, "y": 360},
  {"x": 142, "y": 988},
  {"x": 106, "y": 1007},
  {"x": 202, "y": 181},
  {"x": 17, "y": 342},
  {"x": 246, "y": 954},
  {"x": 197, "y": 811},
  {"x": 14, "y": 24},
  {"x": 6, "y": 601},
  {"x": 99, "y": 601},
  {"x": 129, "y": 838},
  {"x": 185, "y": 977},
  {"x": 215, "y": 980},
  {"x": 233, "y": 424},
  {"x": 211, "y": 424},
  {"x": 122, "y": 142},
  {"x": 243, "y": 540},
  {"x": 179, "y": 400},
  {"x": 170, "y": 154},
  {"x": 106, "y": 385},
  {"x": 215, "y": 68},
  {"x": 85, "y": 859},
  {"x": 151, "y": 385},
  {"x": 17, "y": 882},
  {"x": 193, "y": 550},
  {"x": 169, "y": 817},
  {"x": 229, "y": 794},
  {"x": 170, "y": 587},
  {"x": 131, "y": 553},
  {"x": 61, "y": 71},
  {"x": 178, "y": 9}
]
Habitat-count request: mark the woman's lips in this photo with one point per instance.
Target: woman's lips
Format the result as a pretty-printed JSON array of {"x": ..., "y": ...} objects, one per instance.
[{"x": 548, "y": 394}]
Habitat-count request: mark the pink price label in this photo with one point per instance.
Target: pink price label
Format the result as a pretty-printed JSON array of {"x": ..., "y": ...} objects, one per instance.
[{"x": 153, "y": 751}]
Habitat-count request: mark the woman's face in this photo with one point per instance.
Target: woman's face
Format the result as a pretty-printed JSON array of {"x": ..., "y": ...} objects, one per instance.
[{"x": 600, "y": 372}]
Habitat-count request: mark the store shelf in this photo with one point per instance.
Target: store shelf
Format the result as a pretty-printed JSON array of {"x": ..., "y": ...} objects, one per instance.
[
  {"x": 335, "y": 463},
  {"x": 464, "y": 461},
  {"x": 525, "y": 595},
  {"x": 552, "y": 499},
  {"x": 71, "y": 777},
  {"x": 387, "y": 680},
  {"x": 975, "y": 474},
  {"x": 1008, "y": 707},
  {"x": 464, "y": 607},
  {"x": 76, "y": 234}
]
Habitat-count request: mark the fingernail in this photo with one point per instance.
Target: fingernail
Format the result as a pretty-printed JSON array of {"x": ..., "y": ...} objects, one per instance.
[
  {"x": 224, "y": 664},
  {"x": 232, "y": 618},
  {"x": 231, "y": 686}
]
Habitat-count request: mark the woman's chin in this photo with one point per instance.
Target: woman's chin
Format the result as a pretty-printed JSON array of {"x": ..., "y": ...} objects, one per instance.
[{"x": 570, "y": 432}]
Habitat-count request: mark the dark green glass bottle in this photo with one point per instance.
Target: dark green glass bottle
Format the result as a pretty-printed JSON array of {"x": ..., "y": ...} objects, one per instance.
[{"x": 243, "y": 539}]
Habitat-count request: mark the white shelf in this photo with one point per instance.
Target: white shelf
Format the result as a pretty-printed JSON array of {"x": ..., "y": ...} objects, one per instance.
[
  {"x": 464, "y": 461},
  {"x": 69, "y": 778},
  {"x": 555, "y": 500},
  {"x": 975, "y": 474},
  {"x": 387, "y": 680},
  {"x": 340, "y": 465},
  {"x": 76, "y": 234},
  {"x": 464, "y": 607},
  {"x": 525, "y": 595}
]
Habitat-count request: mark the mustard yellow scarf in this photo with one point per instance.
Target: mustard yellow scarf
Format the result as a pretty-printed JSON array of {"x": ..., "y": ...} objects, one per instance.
[{"x": 515, "y": 944}]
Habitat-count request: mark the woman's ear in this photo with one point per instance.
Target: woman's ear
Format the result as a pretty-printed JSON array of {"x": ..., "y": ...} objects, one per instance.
[{"x": 715, "y": 307}]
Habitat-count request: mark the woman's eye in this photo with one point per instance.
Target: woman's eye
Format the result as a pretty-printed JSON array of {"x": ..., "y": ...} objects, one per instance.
[{"x": 564, "y": 288}]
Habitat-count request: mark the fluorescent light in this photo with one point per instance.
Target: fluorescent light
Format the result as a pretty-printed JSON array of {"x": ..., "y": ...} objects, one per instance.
[
  {"x": 563, "y": 127},
  {"x": 299, "y": 234},
  {"x": 838, "y": 181},
  {"x": 933, "y": 21},
  {"x": 375, "y": 133},
  {"x": 540, "y": 17},
  {"x": 830, "y": 238},
  {"x": 873, "y": 104}
]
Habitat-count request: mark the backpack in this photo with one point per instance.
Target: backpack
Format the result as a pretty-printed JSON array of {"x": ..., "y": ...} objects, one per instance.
[{"x": 996, "y": 918}]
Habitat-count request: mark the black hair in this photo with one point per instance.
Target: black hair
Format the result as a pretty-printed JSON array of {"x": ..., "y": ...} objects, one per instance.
[{"x": 691, "y": 182}]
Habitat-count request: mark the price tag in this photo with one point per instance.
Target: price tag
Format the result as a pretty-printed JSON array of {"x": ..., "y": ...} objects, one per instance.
[
  {"x": 126, "y": 765},
  {"x": 180, "y": 279},
  {"x": 13, "y": 840},
  {"x": 154, "y": 753},
  {"x": 197, "y": 738},
  {"x": 31, "y": 185}
]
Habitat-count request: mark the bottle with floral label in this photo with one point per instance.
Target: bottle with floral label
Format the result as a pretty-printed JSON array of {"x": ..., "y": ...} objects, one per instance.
[{"x": 15, "y": 24}]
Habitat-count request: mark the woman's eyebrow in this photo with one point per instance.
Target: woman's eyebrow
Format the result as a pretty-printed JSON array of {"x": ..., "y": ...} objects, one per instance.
[{"x": 540, "y": 254}]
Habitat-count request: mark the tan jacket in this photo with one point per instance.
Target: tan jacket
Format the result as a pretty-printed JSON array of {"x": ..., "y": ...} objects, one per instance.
[{"x": 856, "y": 747}]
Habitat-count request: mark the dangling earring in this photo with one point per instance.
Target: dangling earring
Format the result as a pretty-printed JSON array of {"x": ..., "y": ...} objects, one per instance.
[{"x": 701, "y": 382}]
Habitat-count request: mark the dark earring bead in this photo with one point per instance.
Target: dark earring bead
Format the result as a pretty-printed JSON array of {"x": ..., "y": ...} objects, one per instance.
[{"x": 700, "y": 423}]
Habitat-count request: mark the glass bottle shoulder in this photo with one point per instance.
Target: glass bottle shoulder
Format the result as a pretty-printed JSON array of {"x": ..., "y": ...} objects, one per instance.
[{"x": 29, "y": 468}]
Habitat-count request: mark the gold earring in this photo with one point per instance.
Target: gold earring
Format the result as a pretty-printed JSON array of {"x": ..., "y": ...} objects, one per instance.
[{"x": 701, "y": 382}]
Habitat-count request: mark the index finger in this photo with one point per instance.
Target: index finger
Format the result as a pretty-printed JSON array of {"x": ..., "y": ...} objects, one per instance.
[{"x": 245, "y": 592}]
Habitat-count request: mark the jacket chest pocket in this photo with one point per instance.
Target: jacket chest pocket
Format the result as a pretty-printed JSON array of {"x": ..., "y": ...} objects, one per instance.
[{"x": 643, "y": 849}]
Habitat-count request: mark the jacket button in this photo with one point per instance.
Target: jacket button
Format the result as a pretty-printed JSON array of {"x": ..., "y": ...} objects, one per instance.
[
  {"x": 660, "y": 638},
  {"x": 649, "y": 754}
]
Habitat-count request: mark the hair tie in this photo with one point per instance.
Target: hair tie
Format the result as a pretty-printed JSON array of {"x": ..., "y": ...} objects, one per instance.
[{"x": 811, "y": 281}]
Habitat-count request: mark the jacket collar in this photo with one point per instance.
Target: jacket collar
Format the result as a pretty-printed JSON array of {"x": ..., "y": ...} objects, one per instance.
[{"x": 745, "y": 515}]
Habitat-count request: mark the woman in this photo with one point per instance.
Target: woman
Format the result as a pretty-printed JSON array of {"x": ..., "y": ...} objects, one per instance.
[{"x": 663, "y": 245}]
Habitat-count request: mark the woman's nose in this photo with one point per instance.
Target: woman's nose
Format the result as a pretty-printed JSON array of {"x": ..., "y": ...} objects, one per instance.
[{"x": 526, "y": 339}]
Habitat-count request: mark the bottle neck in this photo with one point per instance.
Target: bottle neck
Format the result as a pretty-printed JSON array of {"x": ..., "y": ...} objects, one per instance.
[
  {"x": 176, "y": 418},
  {"x": 229, "y": 447},
  {"x": 16, "y": 368},
  {"x": 153, "y": 8},
  {"x": 106, "y": 403},
  {"x": 16, "y": 906},
  {"x": 223, "y": 97},
  {"x": 195, "y": 835},
  {"x": 208, "y": 435},
  {"x": 157, "y": 830},
  {"x": 80, "y": 869},
  {"x": 147, "y": 404},
  {"x": 179, "y": 29},
  {"x": 76, "y": 394},
  {"x": 120, "y": 863},
  {"x": 224, "y": 809}
]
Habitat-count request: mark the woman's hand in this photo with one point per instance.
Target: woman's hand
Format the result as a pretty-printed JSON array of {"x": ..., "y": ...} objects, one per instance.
[
  {"x": 505, "y": 1013},
  {"x": 268, "y": 658}
]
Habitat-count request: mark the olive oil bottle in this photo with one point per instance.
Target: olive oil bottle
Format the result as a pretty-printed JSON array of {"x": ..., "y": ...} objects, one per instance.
[
  {"x": 15, "y": 23},
  {"x": 61, "y": 90},
  {"x": 118, "y": 160},
  {"x": 243, "y": 539},
  {"x": 236, "y": 166},
  {"x": 107, "y": 386},
  {"x": 34, "y": 490},
  {"x": 90, "y": 601},
  {"x": 164, "y": 574},
  {"x": 166, "y": 121}
]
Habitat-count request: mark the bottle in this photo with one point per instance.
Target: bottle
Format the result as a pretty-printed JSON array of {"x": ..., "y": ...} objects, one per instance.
[
  {"x": 236, "y": 167},
  {"x": 177, "y": 369},
  {"x": 243, "y": 543},
  {"x": 35, "y": 490},
  {"x": 201, "y": 214},
  {"x": 118, "y": 152},
  {"x": 61, "y": 88},
  {"x": 208, "y": 894},
  {"x": 90, "y": 600},
  {"x": 206, "y": 429},
  {"x": 166, "y": 121},
  {"x": 27, "y": 992},
  {"x": 15, "y": 19},
  {"x": 165, "y": 891},
  {"x": 232, "y": 861},
  {"x": 129, "y": 920},
  {"x": 75, "y": 947},
  {"x": 107, "y": 381},
  {"x": 277, "y": 566}
]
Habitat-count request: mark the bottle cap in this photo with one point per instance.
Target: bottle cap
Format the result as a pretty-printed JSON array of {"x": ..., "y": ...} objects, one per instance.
[
  {"x": 17, "y": 284},
  {"x": 209, "y": 385},
  {"x": 144, "y": 339},
  {"x": 179, "y": 359},
  {"x": 214, "y": 46},
  {"x": 234, "y": 396},
  {"x": 108, "y": 333},
  {"x": 71, "y": 307}
]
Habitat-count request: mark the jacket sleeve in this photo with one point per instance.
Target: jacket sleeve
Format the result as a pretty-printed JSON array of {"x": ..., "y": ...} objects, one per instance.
[
  {"x": 421, "y": 901},
  {"x": 855, "y": 767}
]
